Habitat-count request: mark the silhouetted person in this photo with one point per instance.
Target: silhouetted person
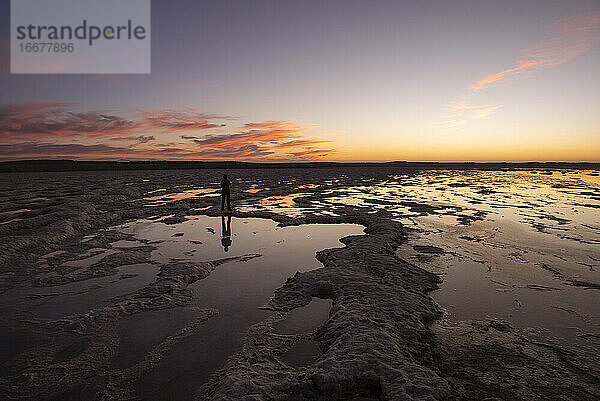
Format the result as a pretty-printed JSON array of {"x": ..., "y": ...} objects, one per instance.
[
  {"x": 225, "y": 193},
  {"x": 226, "y": 233}
]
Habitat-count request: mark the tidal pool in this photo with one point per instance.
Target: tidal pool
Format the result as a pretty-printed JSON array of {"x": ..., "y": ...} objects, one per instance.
[
  {"x": 238, "y": 290},
  {"x": 521, "y": 246},
  {"x": 530, "y": 256},
  {"x": 255, "y": 256}
]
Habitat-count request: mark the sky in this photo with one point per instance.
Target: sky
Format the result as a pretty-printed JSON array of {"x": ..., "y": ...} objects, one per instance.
[{"x": 327, "y": 80}]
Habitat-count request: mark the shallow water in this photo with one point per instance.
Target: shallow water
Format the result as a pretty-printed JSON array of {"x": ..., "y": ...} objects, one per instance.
[
  {"x": 261, "y": 256},
  {"x": 521, "y": 246},
  {"x": 237, "y": 289},
  {"x": 517, "y": 245},
  {"x": 532, "y": 259}
]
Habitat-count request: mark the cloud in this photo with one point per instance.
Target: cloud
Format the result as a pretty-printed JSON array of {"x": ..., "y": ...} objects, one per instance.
[
  {"x": 34, "y": 149},
  {"x": 249, "y": 151},
  {"x": 54, "y": 119},
  {"x": 137, "y": 139},
  {"x": 44, "y": 120},
  {"x": 266, "y": 138},
  {"x": 270, "y": 132},
  {"x": 300, "y": 142},
  {"x": 103, "y": 151},
  {"x": 262, "y": 139},
  {"x": 52, "y": 130},
  {"x": 312, "y": 154},
  {"x": 459, "y": 112},
  {"x": 270, "y": 125},
  {"x": 524, "y": 65},
  {"x": 568, "y": 38},
  {"x": 181, "y": 120}
]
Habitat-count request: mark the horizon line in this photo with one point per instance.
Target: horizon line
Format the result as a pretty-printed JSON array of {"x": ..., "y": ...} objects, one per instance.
[{"x": 298, "y": 161}]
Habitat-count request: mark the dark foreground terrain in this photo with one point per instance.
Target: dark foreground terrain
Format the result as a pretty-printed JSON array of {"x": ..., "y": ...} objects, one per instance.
[{"x": 117, "y": 285}]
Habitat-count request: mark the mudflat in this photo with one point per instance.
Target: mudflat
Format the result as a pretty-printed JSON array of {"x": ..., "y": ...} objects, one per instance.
[{"x": 336, "y": 283}]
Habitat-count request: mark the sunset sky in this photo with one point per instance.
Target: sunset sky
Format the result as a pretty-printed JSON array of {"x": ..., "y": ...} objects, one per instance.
[{"x": 327, "y": 80}]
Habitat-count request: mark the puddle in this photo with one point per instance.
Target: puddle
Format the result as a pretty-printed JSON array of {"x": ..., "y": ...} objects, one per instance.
[
  {"x": 278, "y": 204},
  {"x": 305, "y": 319},
  {"x": 286, "y": 201},
  {"x": 140, "y": 333},
  {"x": 165, "y": 198},
  {"x": 520, "y": 246},
  {"x": 520, "y": 260},
  {"x": 92, "y": 256},
  {"x": 80, "y": 297},
  {"x": 126, "y": 244},
  {"x": 238, "y": 289},
  {"x": 537, "y": 232}
]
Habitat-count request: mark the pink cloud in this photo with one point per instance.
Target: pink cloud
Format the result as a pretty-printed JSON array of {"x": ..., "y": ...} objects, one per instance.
[
  {"x": 53, "y": 130},
  {"x": 269, "y": 136},
  {"x": 568, "y": 38},
  {"x": 46, "y": 120},
  {"x": 186, "y": 120}
]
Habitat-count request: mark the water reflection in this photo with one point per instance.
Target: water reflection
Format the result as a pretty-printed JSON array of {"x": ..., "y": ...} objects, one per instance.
[
  {"x": 165, "y": 198},
  {"x": 226, "y": 232},
  {"x": 237, "y": 289},
  {"x": 518, "y": 245}
]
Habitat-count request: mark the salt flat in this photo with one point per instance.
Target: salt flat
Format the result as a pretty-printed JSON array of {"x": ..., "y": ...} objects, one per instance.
[{"x": 464, "y": 284}]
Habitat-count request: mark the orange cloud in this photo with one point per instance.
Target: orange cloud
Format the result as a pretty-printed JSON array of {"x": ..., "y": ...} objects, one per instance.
[
  {"x": 312, "y": 154},
  {"x": 523, "y": 65},
  {"x": 45, "y": 120},
  {"x": 185, "y": 120},
  {"x": 52, "y": 130},
  {"x": 569, "y": 37},
  {"x": 265, "y": 138},
  {"x": 300, "y": 142}
]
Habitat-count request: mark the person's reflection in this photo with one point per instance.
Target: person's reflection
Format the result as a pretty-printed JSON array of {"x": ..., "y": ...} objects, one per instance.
[{"x": 226, "y": 233}]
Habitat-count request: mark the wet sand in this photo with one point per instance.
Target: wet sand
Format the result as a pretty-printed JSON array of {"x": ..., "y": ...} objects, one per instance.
[{"x": 464, "y": 284}]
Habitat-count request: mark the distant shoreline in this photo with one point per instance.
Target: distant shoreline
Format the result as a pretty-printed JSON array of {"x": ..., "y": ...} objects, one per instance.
[{"x": 73, "y": 165}]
